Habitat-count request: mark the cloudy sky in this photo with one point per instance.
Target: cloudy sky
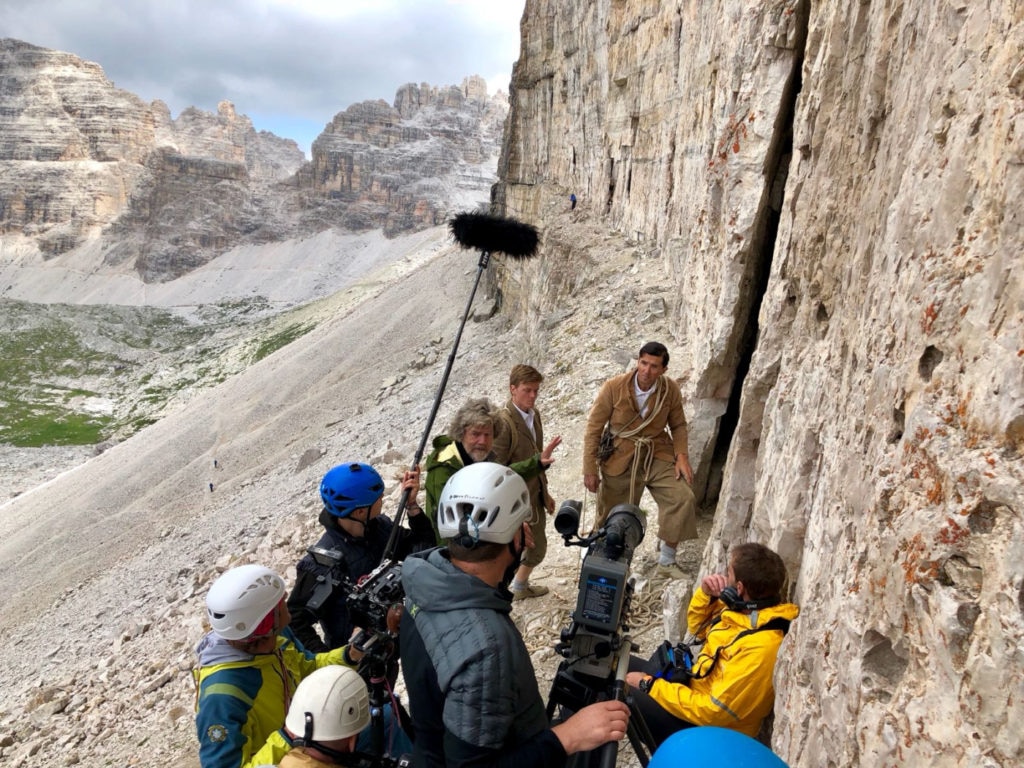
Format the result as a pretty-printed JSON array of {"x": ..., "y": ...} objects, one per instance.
[{"x": 290, "y": 65}]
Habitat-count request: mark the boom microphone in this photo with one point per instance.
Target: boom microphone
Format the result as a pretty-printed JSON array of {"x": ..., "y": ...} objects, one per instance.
[
  {"x": 494, "y": 234},
  {"x": 488, "y": 234}
]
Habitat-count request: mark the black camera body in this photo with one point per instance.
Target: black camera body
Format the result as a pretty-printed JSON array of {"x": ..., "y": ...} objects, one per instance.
[
  {"x": 372, "y": 603},
  {"x": 595, "y": 641},
  {"x": 369, "y": 601},
  {"x": 334, "y": 561}
]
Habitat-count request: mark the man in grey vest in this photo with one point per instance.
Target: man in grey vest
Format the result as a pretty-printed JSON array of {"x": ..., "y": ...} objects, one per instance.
[{"x": 473, "y": 693}]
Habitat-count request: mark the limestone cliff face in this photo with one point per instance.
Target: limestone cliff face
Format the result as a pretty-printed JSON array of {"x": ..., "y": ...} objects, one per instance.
[
  {"x": 831, "y": 193},
  {"x": 83, "y": 159},
  {"x": 89, "y": 166},
  {"x": 70, "y": 145},
  {"x": 401, "y": 167}
]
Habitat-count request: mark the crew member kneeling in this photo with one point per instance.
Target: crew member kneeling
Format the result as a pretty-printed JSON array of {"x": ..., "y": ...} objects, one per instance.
[{"x": 741, "y": 620}]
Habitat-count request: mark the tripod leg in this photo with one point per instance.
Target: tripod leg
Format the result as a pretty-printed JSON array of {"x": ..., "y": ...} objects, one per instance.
[
  {"x": 640, "y": 737},
  {"x": 377, "y": 730}
]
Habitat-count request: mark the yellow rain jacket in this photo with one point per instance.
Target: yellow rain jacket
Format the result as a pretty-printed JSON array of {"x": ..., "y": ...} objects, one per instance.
[{"x": 736, "y": 691}]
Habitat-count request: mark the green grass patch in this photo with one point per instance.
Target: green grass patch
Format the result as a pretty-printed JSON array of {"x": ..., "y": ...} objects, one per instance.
[
  {"x": 52, "y": 426},
  {"x": 55, "y": 358},
  {"x": 280, "y": 339}
]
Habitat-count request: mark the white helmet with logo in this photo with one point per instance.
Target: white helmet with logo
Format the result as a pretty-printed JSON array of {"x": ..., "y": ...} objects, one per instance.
[
  {"x": 332, "y": 702},
  {"x": 484, "y": 502},
  {"x": 241, "y": 598}
]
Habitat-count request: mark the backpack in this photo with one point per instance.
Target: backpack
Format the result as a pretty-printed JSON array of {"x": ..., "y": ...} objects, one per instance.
[{"x": 676, "y": 664}]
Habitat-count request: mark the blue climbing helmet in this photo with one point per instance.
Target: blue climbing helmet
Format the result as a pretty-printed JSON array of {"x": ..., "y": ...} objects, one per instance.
[
  {"x": 348, "y": 487},
  {"x": 695, "y": 746}
]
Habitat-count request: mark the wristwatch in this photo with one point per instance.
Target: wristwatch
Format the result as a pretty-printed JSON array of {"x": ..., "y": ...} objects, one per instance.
[{"x": 645, "y": 684}]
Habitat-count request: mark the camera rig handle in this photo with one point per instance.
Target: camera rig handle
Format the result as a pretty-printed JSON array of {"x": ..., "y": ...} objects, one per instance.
[{"x": 610, "y": 752}]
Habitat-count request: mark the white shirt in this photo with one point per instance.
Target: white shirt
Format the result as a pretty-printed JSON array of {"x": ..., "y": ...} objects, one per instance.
[
  {"x": 641, "y": 396},
  {"x": 528, "y": 418}
]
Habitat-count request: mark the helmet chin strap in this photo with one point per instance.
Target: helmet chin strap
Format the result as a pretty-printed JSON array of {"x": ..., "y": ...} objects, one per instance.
[
  {"x": 517, "y": 558},
  {"x": 307, "y": 736},
  {"x": 307, "y": 740},
  {"x": 352, "y": 518}
]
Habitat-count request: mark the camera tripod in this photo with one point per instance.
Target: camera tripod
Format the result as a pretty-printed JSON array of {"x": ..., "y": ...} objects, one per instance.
[
  {"x": 379, "y": 668},
  {"x": 573, "y": 690}
]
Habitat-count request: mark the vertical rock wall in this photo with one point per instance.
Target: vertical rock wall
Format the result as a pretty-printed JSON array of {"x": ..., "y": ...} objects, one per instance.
[
  {"x": 833, "y": 189},
  {"x": 662, "y": 119}
]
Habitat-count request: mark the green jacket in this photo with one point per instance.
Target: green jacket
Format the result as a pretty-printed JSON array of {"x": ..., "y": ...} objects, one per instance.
[{"x": 445, "y": 460}]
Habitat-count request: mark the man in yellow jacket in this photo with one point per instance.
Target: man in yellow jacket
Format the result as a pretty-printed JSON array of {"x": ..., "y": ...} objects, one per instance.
[
  {"x": 249, "y": 667},
  {"x": 740, "y": 619}
]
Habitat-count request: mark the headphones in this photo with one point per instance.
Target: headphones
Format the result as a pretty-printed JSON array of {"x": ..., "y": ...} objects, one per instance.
[{"x": 734, "y": 602}]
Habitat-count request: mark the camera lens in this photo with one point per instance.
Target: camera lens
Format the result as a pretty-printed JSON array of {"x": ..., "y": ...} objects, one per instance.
[{"x": 567, "y": 519}]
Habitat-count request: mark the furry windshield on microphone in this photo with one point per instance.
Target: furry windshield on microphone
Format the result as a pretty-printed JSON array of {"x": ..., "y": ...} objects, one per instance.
[{"x": 494, "y": 234}]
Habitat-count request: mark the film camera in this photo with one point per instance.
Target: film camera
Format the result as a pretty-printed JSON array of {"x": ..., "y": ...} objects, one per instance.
[
  {"x": 593, "y": 638},
  {"x": 596, "y": 644},
  {"x": 374, "y": 603}
]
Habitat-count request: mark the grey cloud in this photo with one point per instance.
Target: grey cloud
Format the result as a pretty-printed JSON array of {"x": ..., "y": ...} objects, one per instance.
[{"x": 197, "y": 52}]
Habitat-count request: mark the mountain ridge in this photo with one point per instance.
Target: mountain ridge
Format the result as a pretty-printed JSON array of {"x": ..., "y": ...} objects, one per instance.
[
  {"x": 811, "y": 205},
  {"x": 87, "y": 166}
]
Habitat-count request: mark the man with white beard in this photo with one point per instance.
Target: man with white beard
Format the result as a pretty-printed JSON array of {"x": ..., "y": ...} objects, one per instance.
[{"x": 470, "y": 439}]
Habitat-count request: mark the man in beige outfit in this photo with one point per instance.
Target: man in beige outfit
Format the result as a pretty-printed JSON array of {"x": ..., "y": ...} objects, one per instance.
[{"x": 644, "y": 411}]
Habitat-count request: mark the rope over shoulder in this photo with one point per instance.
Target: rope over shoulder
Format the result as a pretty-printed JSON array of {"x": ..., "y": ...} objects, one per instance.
[{"x": 494, "y": 234}]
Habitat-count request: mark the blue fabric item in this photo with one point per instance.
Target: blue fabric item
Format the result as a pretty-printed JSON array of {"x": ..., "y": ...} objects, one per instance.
[
  {"x": 716, "y": 746},
  {"x": 396, "y": 742}
]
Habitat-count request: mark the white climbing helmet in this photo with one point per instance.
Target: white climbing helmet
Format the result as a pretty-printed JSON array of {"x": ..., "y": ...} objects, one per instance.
[
  {"x": 335, "y": 703},
  {"x": 484, "y": 501},
  {"x": 241, "y": 598}
]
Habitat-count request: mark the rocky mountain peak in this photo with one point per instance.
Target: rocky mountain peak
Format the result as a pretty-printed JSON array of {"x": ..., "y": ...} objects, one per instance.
[
  {"x": 60, "y": 108},
  {"x": 91, "y": 170},
  {"x": 811, "y": 204},
  {"x": 401, "y": 167}
]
